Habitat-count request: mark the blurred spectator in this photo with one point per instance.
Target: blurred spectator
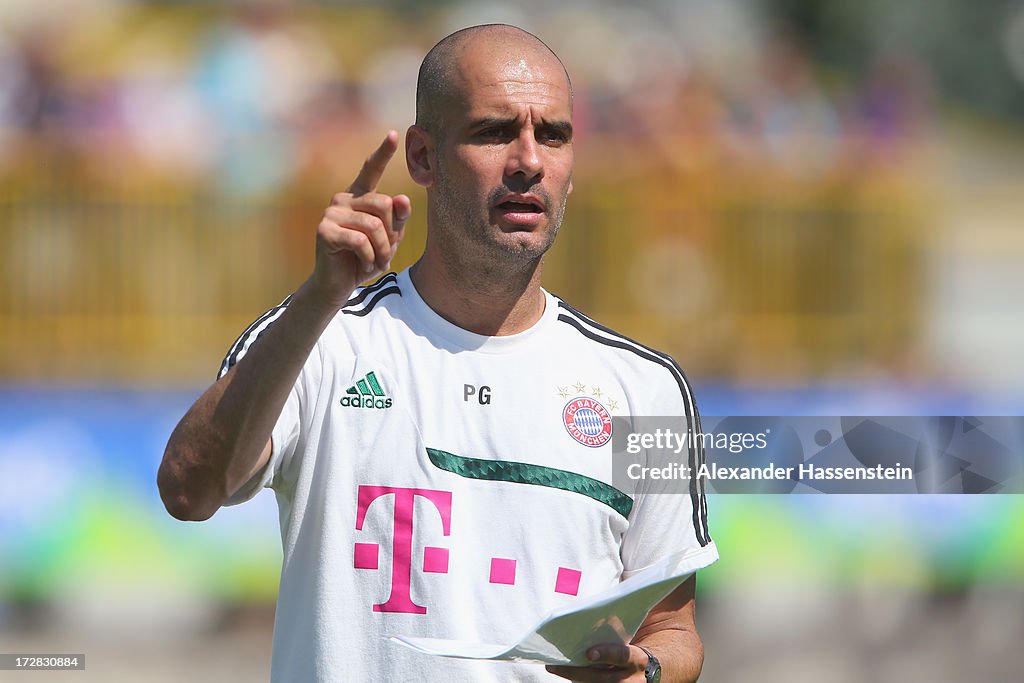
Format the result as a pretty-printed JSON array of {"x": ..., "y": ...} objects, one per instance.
[
  {"x": 893, "y": 108},
  {"x": 795, "y": 122},
  {"x": 257, "y": 73},
  {"x": 163, "y": 119},
  {"x": 33, "y": 102},
  {"x": 30, "y": 95}
]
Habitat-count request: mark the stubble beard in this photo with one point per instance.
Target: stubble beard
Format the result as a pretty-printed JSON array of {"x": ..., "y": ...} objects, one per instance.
[{"x": 472, "y": 246}]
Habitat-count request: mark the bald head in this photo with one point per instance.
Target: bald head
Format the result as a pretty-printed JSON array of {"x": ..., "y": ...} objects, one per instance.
[{"x": 442, "y": 81}]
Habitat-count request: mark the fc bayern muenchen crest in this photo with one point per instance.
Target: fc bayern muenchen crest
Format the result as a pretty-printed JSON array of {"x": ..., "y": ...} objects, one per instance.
[{"x": 587, "y": 421}]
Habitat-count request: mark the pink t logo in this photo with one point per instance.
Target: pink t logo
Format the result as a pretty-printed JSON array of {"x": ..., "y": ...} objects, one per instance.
[{"x": 400, "y": 599}]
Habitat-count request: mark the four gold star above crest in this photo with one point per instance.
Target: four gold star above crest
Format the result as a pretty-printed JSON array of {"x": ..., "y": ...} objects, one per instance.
[{"x": 580, "y": 387}]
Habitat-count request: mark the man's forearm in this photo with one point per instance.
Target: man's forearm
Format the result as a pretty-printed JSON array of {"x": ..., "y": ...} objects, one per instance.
[
  {"x": 670, "y": 633},
  {"x": 680, "y": 652},
  {"x": 221, "y": 440}
]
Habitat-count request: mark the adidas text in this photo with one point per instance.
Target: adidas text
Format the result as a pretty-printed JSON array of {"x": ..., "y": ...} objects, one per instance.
[{"x": 365, "y": 402}]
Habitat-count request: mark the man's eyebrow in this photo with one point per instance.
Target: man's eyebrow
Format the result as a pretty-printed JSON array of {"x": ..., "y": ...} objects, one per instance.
[
  {"x": 496, "y": 121},
  {"x": 563, "y": 127}
]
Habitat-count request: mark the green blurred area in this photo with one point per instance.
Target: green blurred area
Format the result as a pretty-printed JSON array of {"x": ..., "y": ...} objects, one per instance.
[{"x": 815, "y": 542}]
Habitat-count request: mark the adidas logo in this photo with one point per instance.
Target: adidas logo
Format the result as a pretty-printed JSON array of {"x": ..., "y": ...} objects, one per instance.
[{"x": 366, "y": 393}]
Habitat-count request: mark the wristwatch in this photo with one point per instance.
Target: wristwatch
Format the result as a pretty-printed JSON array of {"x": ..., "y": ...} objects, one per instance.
[{"x": 653, "y": 671}]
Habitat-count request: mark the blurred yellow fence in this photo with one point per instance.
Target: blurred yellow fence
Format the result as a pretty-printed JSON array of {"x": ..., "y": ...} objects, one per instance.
[{"x": 779, "y": 285}]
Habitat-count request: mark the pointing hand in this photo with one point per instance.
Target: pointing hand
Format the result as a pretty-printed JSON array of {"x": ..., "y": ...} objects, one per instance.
[{"x": 360, "y": 230}]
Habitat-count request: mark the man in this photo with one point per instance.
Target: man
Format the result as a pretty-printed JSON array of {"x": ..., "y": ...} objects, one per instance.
[{"x": 439, "y": 441}]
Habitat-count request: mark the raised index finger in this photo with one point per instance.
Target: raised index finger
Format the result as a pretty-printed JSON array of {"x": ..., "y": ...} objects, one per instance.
[{"x": 373, "y": 168}]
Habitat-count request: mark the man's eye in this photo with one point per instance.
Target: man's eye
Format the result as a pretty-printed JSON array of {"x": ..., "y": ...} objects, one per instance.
[
  {"x": 553, "y": 136},
  {"x": 492, "y": 133}
]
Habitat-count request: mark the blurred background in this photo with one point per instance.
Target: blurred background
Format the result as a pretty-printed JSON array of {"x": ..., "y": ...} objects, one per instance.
[{"x": 815, "y": 206}]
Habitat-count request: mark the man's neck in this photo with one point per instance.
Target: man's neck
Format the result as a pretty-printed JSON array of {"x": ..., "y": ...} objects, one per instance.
[{"x": 493, "y": 303}]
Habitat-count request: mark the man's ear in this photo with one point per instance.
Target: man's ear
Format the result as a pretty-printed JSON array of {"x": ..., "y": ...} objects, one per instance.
[{"x": 419, "y": 155}]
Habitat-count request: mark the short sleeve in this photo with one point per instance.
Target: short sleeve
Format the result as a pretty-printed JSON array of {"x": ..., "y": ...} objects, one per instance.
[
  {"x": 283, "y": 440},
  {"x": 288, "y": 428},
  {"x": 669, "y": 517}
]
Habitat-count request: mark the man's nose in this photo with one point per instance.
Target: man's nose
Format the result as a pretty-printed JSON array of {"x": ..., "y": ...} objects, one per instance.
[{"x": 524, "y": 157}]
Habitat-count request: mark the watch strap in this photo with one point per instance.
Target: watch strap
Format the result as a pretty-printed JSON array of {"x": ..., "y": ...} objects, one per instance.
[{"x": 653, "y": 670}]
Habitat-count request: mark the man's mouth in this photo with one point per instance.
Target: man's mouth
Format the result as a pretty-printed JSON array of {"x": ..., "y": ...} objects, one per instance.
[
  {"x": 520, "y": 207},
  {"x": 518, "y": 214}
]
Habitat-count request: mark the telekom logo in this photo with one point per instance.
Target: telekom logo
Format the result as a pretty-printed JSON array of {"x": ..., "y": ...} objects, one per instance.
[
  {"x": 435, "y": 559},
  {"x": 504, "y": 571}
]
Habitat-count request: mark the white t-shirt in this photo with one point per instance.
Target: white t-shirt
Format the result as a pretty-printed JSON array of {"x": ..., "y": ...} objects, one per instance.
[{"x": 435, "y": 482}]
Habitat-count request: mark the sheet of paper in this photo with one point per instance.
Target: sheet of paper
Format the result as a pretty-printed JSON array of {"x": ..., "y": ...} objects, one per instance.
[{"x": 563, "y": 636}]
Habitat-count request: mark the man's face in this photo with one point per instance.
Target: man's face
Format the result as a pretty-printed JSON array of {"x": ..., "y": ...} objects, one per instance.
[{"x": 504, "y": 160}]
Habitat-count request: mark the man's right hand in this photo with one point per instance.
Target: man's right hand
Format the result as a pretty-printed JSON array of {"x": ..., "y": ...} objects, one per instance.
[
  {"x": 224, "y": 439},
  {"x": 360, "y": 230}
]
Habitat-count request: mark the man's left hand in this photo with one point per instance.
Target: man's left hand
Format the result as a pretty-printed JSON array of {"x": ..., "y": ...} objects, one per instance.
[{"x": 611, "y": 663}]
